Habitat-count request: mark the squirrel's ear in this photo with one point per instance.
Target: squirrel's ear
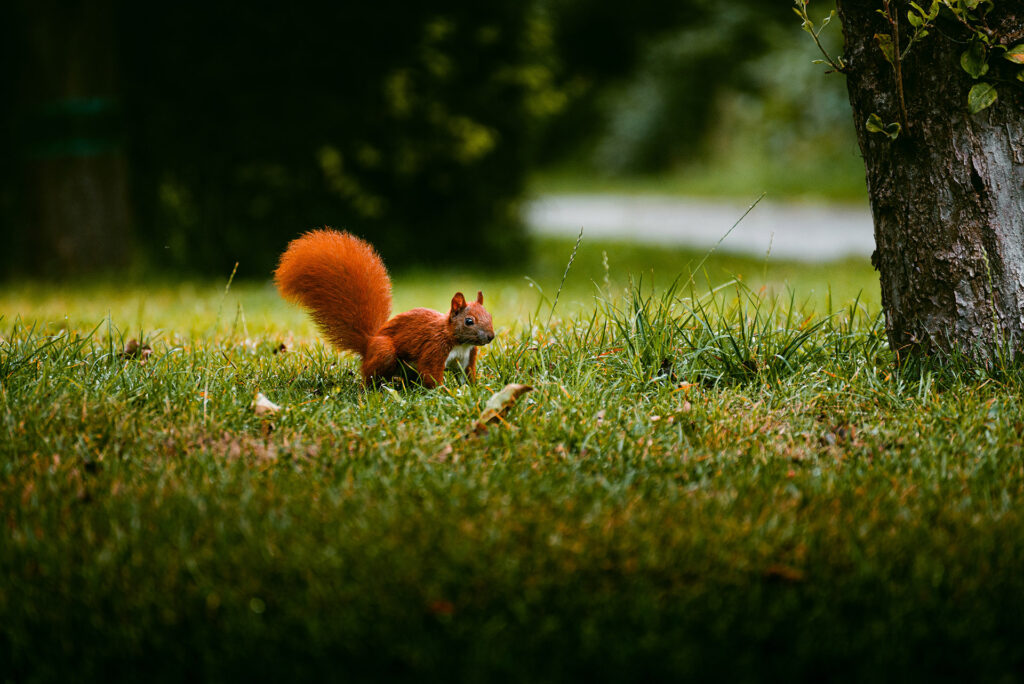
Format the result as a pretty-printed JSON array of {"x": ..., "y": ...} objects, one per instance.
[
  {"x": 480, "y": 298},
  {"x": 458, "y": 303}
]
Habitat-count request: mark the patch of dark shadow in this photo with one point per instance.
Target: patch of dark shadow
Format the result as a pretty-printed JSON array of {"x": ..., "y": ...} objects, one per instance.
[{"x": 978, "y": 184}]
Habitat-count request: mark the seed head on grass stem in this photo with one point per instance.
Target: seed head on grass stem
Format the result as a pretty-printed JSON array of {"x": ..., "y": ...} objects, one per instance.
[{"x": 572, "y": 257}]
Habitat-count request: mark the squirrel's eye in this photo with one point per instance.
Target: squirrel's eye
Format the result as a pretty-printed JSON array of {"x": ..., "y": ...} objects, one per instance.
[{"x": 469, "y": 320}]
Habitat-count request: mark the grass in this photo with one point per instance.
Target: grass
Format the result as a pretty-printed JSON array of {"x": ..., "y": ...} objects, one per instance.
[
  {"x": 716, "y": 478},
  {"x": 741, "y": 161},
  {"x": 734, "y": 177}
]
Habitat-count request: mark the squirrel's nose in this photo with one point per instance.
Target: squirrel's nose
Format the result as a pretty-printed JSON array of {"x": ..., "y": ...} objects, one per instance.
[{"x": 490, "y": 336}]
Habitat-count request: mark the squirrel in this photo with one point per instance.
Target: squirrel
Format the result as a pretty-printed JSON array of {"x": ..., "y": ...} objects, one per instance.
[{"x": 342, "y": 281}]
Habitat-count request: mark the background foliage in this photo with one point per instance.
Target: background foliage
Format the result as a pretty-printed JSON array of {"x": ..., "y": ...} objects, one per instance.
[
  {"x": 407, "y": 123},
  {"x": 416, "y": 126}
]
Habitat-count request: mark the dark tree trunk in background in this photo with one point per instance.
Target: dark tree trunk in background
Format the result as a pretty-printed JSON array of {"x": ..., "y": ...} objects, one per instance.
[
  {"x": 948, "y": 195},
  {"x": 76, "y": 174}
]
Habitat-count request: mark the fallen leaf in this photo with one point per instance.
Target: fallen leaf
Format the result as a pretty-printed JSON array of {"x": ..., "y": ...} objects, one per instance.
[
  {"x": 263, "y": 406},
  {"x": 442, "y": 455},
  {"x": 786, "y": 573},
  {"x": 498, "y": 405},
  {"x": 134, "y": 350}
]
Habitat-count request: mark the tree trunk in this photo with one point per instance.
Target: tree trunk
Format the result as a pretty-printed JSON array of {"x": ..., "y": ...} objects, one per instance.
[
  {"x": 76, "y": 173},
  {"x": 947, "y": 195}
]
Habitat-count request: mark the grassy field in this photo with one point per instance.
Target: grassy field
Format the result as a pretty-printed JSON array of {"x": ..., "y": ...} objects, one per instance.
[
  {"x": 723, "y": 478},
  {"x": 732, "y": 178},
  {"x": 735, "y": 166}
]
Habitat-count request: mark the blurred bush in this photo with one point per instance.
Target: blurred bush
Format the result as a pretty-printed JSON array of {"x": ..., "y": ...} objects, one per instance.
[
  {"x": 697, "y": 80},
  {"x": 654, "y": 105},
  {"x": 245, "y": 124},
  {"x": 408, "y": 123},
  {"x": 218, "y": 131}
]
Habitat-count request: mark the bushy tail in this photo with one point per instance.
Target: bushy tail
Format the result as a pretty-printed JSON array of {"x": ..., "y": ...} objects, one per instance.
[{"x": 342, "y": 281}]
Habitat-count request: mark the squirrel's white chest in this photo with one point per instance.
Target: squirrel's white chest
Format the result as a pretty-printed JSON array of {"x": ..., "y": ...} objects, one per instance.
[{"x": 459, "y": 354}]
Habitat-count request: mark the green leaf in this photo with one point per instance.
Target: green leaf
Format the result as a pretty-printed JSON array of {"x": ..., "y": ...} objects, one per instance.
[
  {"x": 885, "y": 43},
  {"x": 876, "y": 125},
  {"x": 1015, "y": 54},
  {"x": 1020, "y": 75},
  {"x": 806, "y": 25},
  {"x": 974, "y": 60},
  {"x": 982, "y": 96},
  {"x": 915, "y": 19}
]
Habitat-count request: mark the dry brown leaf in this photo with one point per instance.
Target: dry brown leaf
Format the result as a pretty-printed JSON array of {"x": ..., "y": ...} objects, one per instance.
[
  {"x": 498, "y": 405},
  {"x": 263, "y": 406},
  {"x": 134, "y": 350},
  {"x": 786, "y": 573},
  {"x": 442, "y": 455}
]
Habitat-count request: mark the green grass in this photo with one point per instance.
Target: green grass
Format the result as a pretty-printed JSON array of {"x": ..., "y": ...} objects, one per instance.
[
  {"x": 741, "y": 177},
  {"x": 712, "y": 479}
]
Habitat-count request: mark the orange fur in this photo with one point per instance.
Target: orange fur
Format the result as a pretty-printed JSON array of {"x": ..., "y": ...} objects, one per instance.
[
  {"x": 344, "y": 284},
  {"x": 342, "y": 281}
]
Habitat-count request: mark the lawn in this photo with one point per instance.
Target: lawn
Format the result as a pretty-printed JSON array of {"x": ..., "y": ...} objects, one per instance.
[{"x": 722, "y": 477}]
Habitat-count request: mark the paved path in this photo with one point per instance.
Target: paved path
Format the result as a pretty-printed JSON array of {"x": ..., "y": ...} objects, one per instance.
[{"x": 808, "y": 232}]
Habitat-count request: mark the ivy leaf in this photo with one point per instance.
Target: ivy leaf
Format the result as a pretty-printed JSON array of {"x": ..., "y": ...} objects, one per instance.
[
  {"x": 876, "y": 125},
  {"x": 1015, "y": 54},
  {"x": 974, "y": 60},
  {"x": 885, "y": 44},
  {"x": 982, "y": 96}
]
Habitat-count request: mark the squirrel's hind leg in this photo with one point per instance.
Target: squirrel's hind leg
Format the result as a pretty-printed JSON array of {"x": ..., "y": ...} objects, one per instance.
[{"x": 380, "y": 361}]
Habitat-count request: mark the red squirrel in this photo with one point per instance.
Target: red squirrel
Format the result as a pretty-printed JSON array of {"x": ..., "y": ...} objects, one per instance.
[{"x": 344, "y": 284}]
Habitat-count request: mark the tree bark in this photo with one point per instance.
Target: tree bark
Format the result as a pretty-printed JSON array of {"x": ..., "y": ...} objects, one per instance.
[
  {"x": 947, "y": 196},
  {"x": 76, "y": 173}
]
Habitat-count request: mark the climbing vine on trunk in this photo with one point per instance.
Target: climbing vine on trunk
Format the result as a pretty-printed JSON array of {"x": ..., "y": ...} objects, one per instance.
[
  {"x": 937, "y": 93},
  {"x": 984, "y": 45}
]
